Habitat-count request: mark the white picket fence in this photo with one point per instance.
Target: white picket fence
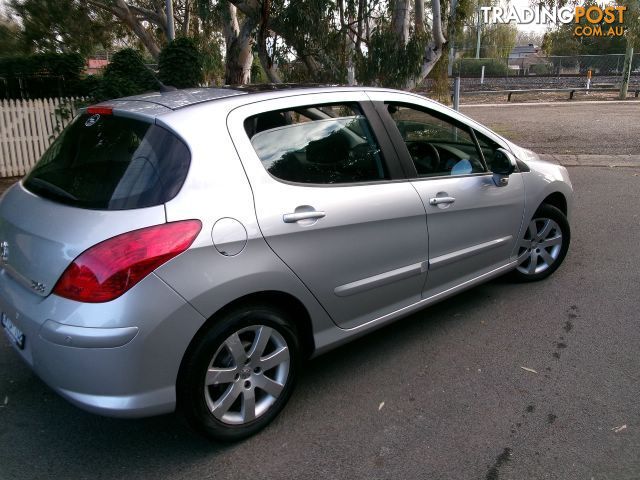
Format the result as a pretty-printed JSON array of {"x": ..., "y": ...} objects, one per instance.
[{"x": 27, "y": 128}]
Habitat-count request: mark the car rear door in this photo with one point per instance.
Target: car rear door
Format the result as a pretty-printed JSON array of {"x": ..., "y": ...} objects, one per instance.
[
  {"x": 333, "y": 203},
  {"x": 473, "y": 222}
]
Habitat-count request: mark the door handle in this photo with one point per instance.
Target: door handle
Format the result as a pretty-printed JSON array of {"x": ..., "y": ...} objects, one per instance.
[
  {"x": 296, "y": 217},
  {"x": 439, "y": 200}
]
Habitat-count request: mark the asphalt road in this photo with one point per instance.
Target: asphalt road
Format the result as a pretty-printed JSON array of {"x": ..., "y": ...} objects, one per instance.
[{"x": 439, "y": 395}]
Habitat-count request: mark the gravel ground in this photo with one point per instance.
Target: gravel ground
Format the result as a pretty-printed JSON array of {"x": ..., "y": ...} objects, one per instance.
[
  {"x": 566, "y": 128},
  {"x": 468, "y": 85},
  {"x": 501, "y": 83},
  {"x": 538, "y": 97}
]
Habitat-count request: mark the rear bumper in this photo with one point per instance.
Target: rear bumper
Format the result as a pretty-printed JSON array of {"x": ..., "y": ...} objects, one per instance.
[{"x": 119, "y": 358}]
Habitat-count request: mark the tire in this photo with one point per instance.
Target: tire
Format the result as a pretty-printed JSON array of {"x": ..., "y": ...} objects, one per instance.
[
  {"x": 247, "y": 391},
  {"x": 542, "y": 248}
]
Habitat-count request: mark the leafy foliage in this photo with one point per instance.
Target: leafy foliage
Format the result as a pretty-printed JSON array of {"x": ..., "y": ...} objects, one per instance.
[
  {"x": 212, "y": 61},
  {"x": 313, "y": 35},
  {"x": 67, "y": 65},
  {"x": 472, "y": 67},
  {"x": 389, "y": 63},
  {"x": 10, "y": 39},
  {"x": 64, "y": 26},
  {"x": 562, "y": 40},
  {"x": 42, "y": 75},
  {"x": 125, "y": 75},
  {"x": 180, "y": 63}
]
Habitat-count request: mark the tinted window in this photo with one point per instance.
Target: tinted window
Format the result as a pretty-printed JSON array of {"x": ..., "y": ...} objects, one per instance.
[
  {"x": 111, "y": 163},
  {"x": 317, "y": 144},
  {"x": 437, "y": 146}
]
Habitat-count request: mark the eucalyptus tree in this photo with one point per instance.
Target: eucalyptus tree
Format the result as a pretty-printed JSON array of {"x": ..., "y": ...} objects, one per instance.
[{"x": 62, "y": 26}]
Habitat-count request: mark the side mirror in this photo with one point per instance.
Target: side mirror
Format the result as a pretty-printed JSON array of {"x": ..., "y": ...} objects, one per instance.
[{"x": 503, "y": 165}]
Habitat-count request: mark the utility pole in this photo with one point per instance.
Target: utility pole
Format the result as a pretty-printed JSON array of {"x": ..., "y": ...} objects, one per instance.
[
  {"x": 171, "y": 35},
  {"x": 626, "y": 70},
  {"x": 452, "y": 36},
  {"x": 479, "y": 32}
]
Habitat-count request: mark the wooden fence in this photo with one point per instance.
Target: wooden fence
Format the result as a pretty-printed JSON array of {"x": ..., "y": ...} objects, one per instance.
[{"x": 27, "y": 128}]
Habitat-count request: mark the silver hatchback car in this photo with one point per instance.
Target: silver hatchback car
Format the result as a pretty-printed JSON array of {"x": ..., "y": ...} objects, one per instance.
[{"x": 189, "y": 249}]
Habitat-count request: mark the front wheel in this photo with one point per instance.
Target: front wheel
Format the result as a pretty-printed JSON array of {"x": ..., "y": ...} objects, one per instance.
[
  {"x": 544, "y": 245},
  {"x": 240, "y": 373}
]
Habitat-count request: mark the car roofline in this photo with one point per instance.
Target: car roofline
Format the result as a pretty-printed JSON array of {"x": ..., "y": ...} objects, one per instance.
[{"x": 158, "y": 103}]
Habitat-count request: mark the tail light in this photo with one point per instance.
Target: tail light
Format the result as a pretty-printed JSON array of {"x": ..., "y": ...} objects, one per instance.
[
  {"x": 100, "y": 110},
  {"x": 110, "y": 268}
]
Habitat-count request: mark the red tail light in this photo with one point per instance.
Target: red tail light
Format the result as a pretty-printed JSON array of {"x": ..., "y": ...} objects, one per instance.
[
  {"x": 108, "y": 269},
  {"x": 100, "y": 110}
]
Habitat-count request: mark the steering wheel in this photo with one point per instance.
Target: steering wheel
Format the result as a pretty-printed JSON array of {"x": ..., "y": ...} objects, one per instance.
[{"x": 425, "y": 157}]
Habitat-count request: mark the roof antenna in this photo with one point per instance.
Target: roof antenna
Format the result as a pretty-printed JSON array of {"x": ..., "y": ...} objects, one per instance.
[
  {"x": 166, "y": 88},
  {"x": 161, "y": 86}
]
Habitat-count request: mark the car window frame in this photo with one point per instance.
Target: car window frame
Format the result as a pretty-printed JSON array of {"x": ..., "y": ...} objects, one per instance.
[
  {"x": 401, "y": 147},
  {"x": 390, "y": 158}
]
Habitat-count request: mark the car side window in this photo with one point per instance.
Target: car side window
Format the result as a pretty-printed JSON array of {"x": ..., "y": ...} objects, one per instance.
[
  {"x": 437, "y": 147},
  {"x": 318, "y": 144}
]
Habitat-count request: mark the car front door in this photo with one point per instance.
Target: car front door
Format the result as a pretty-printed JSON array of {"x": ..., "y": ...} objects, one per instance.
[
  {"x": 473, "y": 220},
  {"x": 333, "y": 203}
]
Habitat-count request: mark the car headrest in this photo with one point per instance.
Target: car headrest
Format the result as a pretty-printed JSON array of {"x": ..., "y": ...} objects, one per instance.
[
  {"x": 331, "y": 149},
  {"x": 270, "y": 120}
]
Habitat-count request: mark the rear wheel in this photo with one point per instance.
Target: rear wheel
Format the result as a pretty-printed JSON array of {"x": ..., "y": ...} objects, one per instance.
[
  {"x": 544, "y": 245},
  {"x": 240, "y": 374}
]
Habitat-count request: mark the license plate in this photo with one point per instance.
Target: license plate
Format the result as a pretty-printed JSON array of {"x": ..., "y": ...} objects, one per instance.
[{"x": 13, "y": 332}]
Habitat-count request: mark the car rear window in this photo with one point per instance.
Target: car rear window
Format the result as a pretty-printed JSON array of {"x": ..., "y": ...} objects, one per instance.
[{"x": 106, "y": 162}]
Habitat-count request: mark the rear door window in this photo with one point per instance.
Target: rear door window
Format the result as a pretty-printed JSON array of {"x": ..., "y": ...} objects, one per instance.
[
  {"x": 317, "y": 144},
  {"x": 108, "y": 162}
]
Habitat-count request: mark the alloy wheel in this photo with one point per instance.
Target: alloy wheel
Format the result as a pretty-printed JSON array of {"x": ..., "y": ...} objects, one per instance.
[
  {"x": 540, "y": 247},
  {"x": 247, "y": 374}
]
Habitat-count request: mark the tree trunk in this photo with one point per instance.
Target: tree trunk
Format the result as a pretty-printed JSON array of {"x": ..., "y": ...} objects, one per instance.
[
  {"x": 238, "y": 52},
  {"x": 626, "y": 70},
  {"x": 400, "y": 20},
  {"x": 265, "y": 60},
  {"x": 434, "y": 48},
  {"x": 187, "y": 19},
  {"x": 440, "y": 75},
  {"x": 124, "y": 13},
  {"x": 145, "y": 37},
  {"x": 350, "y": 39},
  {"x": 419, "y": 14},
  {"x": 452, "y": 27}
]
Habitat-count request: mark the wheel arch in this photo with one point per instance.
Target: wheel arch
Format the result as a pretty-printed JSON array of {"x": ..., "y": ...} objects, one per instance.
[
  {"x": 558, "y": 200},
  {"x": 278, "y": 299}
]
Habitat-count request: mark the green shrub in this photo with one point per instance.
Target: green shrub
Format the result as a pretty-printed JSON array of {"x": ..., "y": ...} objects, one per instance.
[
  {"x": 472, "y": 67},
  {"x": 180, "y": 64},
  {"x": 41, "y": 75},
  {"x": 541, "y": 69},
  {"x": 125, "y": 75}
]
